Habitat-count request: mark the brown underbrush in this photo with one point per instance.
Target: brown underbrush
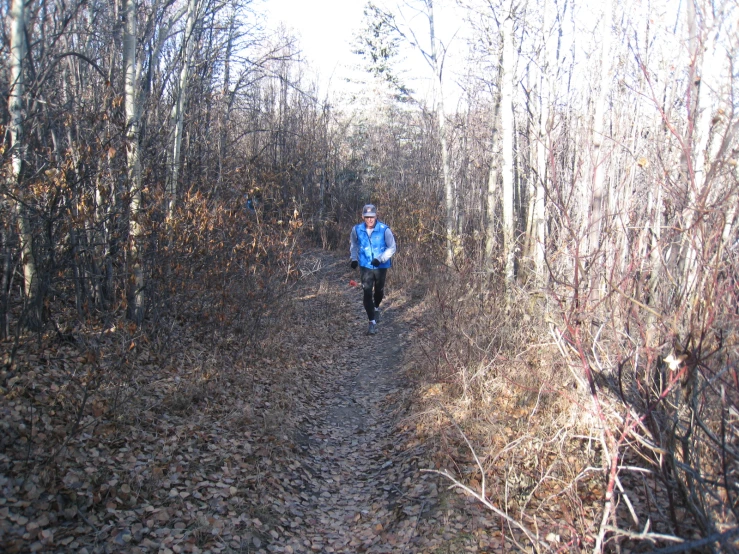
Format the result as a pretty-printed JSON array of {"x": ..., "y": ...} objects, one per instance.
[
  {"x": 113, "y": 432},
  {"x": 547, "y": 436}
]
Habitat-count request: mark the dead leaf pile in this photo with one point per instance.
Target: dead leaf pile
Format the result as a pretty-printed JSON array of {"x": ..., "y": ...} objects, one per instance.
[{"x": 305, "y": 441}]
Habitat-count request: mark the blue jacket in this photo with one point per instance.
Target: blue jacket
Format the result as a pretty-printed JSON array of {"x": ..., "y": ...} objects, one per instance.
[{"x": 372, "y": 246}]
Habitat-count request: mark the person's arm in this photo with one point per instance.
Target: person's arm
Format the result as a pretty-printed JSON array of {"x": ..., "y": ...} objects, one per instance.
[
  {"x": 353, "y": 245},
  {"x": 390, "y": 243}
]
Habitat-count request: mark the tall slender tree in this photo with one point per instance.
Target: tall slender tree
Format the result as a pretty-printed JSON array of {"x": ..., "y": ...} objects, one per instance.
[
  {"x": 178, "y": 109},
  {"x": 16, "y": 96},
  {"x": 547, "y": 93},
  {"x": 598, "y": 155},
  {"x": 131, "y": 73},
  {"x": 436, "y": 61},
  {"x": 507, "y": 138}
]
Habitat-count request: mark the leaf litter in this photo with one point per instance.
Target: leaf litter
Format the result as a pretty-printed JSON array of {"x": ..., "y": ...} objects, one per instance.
[{"x": 305, "y": 442}]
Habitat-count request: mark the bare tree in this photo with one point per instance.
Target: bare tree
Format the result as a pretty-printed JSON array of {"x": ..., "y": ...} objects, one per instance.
[
  {"x": 436, "y": 61},
  {"x": 178, "y": 109},
  {"x": 507, "y": 65},
  {"x": 547, "y": 93},
  {"x": 492, "y": 196},
  {"x": 596, "y": 172},
  {"x": 18, "y": 151},
  {"x": 132, "y": 71}
]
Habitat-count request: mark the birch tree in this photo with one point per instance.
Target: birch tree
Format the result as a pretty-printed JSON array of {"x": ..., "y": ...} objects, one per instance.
[
  {"x": 506, "y": 130},
  {"x": 547, "y": 93},
  {"x": 437, "y": 66},
  {"x": 493, "y": 185},
  {"x": 31, "y": 283},
  {"x": 598, "y": 156},
  {"x": 501, "y": 179},
  {"x": 178, "y": 109},
  {"x": 228, "y": 95},
  {"x": 131, "y": 72}
]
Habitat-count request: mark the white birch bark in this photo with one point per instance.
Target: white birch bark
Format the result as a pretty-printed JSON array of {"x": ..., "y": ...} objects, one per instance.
[
  {"x": 17, "y": 154},
  {"x": 533, "y": 108},
  {"x": 227, "y": 94},
  {"x": 178, "y": 110},
  {"x": 506, "y": 129},
  {"x": 598, "y": 172},
  {"x": 131, "y": 72},
  {"x": 493, "y": 191},
  {"x": 548, "y": 79},
  {"x": 441, "y": 115}
]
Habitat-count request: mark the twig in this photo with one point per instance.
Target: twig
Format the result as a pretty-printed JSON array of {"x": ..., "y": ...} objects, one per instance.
[
  {"x": 628, "y": 502},
  {"x": 578, "y": 378},
  {"x": 469, "y": 445},
  {"x": 644, "y": 535},
  {"x": 685, "y": 546},
  {"x": 487, "y": 504},
  {"x": 481, "y": 496},
  {"x": 90, "y": 523},
  {"x": 636, "y": 469}
]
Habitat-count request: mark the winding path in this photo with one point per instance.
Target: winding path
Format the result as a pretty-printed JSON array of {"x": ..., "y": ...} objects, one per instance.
[{"x": 355, "y": 484}]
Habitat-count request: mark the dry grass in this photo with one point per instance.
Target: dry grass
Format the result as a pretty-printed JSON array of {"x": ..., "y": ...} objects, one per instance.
[{"x": 501, "y": 376}]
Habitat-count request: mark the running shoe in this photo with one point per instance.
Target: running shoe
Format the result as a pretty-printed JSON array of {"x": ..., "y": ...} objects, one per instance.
[{"x": 372, "y": 328}]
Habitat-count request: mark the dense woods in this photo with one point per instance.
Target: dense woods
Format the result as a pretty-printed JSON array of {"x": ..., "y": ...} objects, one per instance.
[{"x": 571, "y": 221}]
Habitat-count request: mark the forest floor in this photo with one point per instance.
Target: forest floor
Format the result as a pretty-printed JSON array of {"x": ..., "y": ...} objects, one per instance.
[
  {"x": 306, "y": 442},
  {"x": 355, "y": 482}
]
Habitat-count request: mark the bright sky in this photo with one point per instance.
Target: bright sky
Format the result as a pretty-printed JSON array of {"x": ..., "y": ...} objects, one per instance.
[{"x": 326, "y": 29}]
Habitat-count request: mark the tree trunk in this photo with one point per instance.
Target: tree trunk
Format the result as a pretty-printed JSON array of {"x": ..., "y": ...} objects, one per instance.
[
  {"x": 178, "y": 110},
  {"x": 131, "y": 71},
  {"x": 506, "y": 128},
  {"x": 228, "y": 97},
  {"x": 533, "y": 108},
  {"x": 493, "y": 191},
  {"x": 548, "y": 78},
  {"x": 441, "y": 117},
  {"x": 17, "y": 154},
  {"x": 5, "y": 281},
  {"x": 597, "y": 157}
]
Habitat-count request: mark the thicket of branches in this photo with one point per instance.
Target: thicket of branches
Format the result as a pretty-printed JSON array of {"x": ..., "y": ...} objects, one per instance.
[
  {"x": 631, "y": 314},
  {"x": 613, "y": 233},
  {"x": 583, "y": 203},
  {"x": 253, "y": 133}
]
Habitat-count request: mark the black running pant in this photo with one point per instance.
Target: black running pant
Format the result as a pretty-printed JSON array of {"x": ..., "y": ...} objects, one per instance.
[{"x": 372, "y": 279}]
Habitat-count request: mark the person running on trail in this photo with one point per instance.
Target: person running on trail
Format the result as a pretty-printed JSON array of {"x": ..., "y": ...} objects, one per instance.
[{"x": 372, "y": 246}]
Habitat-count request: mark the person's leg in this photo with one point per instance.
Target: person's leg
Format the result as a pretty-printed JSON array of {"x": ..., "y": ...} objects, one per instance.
[
  {"x": 380, "y": 275},
  {"x": 368, "y": 283}
]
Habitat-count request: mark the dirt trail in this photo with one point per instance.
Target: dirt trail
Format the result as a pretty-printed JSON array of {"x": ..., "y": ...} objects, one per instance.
[{"x": 355, "y": 484}]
